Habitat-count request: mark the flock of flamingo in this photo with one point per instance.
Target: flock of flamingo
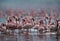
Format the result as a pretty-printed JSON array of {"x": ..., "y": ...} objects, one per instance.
[{"x": 43, "y": 20}]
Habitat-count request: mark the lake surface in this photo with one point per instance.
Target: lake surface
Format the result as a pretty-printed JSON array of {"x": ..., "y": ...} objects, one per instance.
[
  {"x": 2, "y": 20},
  {"x": 25, "y": 37}
]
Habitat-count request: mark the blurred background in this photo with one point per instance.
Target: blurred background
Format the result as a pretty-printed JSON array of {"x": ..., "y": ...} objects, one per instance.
[{"x": 28, "y": 4}]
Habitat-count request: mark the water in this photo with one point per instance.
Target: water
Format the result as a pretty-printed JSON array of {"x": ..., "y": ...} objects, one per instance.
[
  {"x": 24, "y": 37},
  {"x": 28, "y": 4},
  {"x": 2, "y": 20}
]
